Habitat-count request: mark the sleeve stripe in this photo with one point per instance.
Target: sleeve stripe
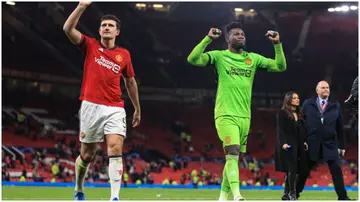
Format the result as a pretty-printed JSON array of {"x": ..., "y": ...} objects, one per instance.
[{"x": 209, "y": 62}]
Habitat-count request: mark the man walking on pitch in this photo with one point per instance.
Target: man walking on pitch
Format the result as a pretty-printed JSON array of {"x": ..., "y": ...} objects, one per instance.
[
  {"x": 102, "y": 109},
  {"x": 236, "y": 70},
  {"x": 325, "y": 137}
]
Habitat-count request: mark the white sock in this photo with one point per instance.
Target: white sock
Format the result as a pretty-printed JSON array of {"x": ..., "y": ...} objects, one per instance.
[
  {"x": 238, "y": 197},
  {"x": 81, "y": 169},
  {"x": 115, "y": 174}
]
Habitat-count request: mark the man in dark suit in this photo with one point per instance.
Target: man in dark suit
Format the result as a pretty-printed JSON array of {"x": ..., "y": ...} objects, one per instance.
[{"x": 324, "y": 125}]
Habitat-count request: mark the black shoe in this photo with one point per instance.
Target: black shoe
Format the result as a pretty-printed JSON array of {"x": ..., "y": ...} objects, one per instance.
[
  {"x": 345, "y": 199},
  {"x": 293, "y": 197},
  {"x": 285, "y": 197}
]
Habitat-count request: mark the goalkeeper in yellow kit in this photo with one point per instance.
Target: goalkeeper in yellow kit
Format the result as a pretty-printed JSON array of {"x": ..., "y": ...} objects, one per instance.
[{"x": 236, "y": 70}]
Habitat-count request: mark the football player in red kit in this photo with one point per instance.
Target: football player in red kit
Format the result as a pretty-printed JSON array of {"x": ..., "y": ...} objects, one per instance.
[{"x": 102, "y": 111}]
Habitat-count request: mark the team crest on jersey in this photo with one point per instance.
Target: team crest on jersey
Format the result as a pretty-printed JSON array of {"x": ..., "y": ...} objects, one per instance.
[
  {"x": 248, "y": 61},
  {"x": 82, "y": 135},
  {"x": 118, "y": 58},
  {"x": 227, "y": 140}
]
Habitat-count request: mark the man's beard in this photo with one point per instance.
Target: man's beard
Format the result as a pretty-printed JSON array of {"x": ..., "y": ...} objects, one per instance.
[{"x": 237, "y": 46}]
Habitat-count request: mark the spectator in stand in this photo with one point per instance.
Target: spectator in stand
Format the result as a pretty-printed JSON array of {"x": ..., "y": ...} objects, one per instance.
[
  {"x": 188, "y": 139},
  {"x": 186, "y": 162},
  {"x": 177, "y": 160},
  {"x": 352, "y": 168},
  {"x": 217, "y": 179},
  {"x": 203, "y": 173},
  {"x": 24, "y": 173},
  {"x": 194, "y": 173},
  {"x": 153, "y": 167},
  {"x": 5, "y": 174},
  {"x": 208, "y": 176},
  {"x": 68, "y": 177},
  {"x": 195, "y": 181},
  {"x": 150, "y": 179},
  {"x": 55, "y": 170},
  {"x": 183, "y": 136},
  {"x": 173, "y": 165},
  {"x": 265, "y": 179},
  {"x": 20, "y": 124},
  {"x": 7, "y": 161},
  {"x": 126, "y": 179},
  {"x": 183, "y": 178}
]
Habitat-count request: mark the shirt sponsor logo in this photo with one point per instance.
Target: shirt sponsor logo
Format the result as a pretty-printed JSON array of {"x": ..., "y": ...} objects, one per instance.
[
  {"x": 108, "y": 64},
  {"x": 239, "y": 72}
]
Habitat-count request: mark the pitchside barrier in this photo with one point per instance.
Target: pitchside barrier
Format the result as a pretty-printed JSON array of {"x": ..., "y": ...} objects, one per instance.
[{"x": 190, "y": 186}]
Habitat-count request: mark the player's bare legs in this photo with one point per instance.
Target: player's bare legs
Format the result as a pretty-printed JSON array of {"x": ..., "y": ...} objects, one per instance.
[
  {"x": 114, "y": 144},
  {"x": 233, "y": 133},
  {"x": 82, "y": 163}
]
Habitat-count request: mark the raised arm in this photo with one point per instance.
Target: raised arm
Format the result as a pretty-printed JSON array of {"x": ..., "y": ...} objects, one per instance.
[
  {"x": 197, "y": 56},
  {"x": 277, "y": 65},
  {"x": 354, "y": 89},
  {"x": 70, "y": 25}
]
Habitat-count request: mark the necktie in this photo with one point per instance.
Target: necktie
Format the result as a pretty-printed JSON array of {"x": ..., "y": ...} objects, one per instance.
[{"x": 323, "y": 105}]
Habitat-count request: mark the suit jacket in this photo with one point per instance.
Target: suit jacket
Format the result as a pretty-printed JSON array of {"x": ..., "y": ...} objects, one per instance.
[
  {"x": 292, "y": 133},
  {"x": 324, "y": 139}
]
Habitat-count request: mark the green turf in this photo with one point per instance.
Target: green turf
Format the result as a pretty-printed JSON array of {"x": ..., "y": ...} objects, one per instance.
[{"x": 66, "y": 193}]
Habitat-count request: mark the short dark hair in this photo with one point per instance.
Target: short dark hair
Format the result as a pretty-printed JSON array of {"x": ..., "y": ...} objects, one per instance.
[
  {"x": 112, "y": 17},
  {"x": 230, "y": 26}
]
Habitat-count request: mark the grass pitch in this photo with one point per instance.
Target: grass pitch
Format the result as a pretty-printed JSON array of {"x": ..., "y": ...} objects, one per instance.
[{"x": 66, "y": 193}]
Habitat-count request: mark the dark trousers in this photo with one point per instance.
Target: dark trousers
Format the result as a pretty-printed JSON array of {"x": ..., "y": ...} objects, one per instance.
[{"x": 337, "y": 177}]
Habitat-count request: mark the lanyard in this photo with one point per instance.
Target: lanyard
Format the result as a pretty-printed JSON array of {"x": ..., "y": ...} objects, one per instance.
[{"x": 322, "y": 109}]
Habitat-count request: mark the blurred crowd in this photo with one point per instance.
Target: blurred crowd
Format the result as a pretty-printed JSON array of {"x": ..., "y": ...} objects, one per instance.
[{"x": 57, "y": 164}]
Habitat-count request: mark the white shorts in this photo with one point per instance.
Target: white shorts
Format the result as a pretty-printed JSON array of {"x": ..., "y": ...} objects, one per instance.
[{"x": 97, "y": 120}]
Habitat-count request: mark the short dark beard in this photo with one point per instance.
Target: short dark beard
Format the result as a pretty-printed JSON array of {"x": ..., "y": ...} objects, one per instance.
[{"x": 237, "y": 47}]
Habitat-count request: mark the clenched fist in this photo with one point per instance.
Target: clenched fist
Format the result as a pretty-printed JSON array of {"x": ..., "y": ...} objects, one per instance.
[
  {"x": 84, "y": 3},
  {"x": 214, "y": 33},
  {"x": 273, "y": 36}
]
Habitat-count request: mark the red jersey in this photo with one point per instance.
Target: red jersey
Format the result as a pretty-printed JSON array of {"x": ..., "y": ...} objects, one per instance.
[{"x": 103, "y": 69}]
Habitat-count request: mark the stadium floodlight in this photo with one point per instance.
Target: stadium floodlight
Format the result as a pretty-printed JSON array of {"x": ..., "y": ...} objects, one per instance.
[
  {"x": 238, "y": 9},
  {"x": 11, "y": 3},
  {"x": 331, "y": 9},
  {"x": 251, "y": 10},
  {"x": 158, "y": 6},
  {"x": 141, "y": 5},
  {"x": 338, "y": 9},
  {"x": 353, "y": 8},
  {"x": 345, "y": 8}
]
